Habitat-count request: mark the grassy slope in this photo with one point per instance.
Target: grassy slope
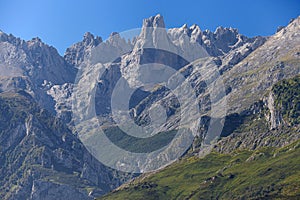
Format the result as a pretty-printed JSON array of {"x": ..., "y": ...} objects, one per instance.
[{"x": 238, "y": 175}]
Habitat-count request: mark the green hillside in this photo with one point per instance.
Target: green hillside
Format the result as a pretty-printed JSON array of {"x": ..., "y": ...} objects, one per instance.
[{"x": 259, "y": 174}]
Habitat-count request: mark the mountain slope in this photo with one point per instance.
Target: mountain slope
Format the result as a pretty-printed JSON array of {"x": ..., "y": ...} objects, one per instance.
[
  {"x": 234, "y": 169},
  {"x": 32, "y": 66},
  {"x": 42, "y": 159},
  {"x": 239, "y": 175},
  {"x": 176, "y": 48}
]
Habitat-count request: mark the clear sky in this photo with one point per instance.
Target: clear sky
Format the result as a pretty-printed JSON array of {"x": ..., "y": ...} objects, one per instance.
[{"x": 61, "y": 23}]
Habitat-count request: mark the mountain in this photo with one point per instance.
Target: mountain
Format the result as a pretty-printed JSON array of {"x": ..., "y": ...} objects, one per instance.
[
  {"x": 41, "y": 156},
  {"x": 242, "y": 98},
  {"x": 256, "y": 161},
  {"x": 42, "y": 159},
  {"x": 33, "y": 67},
  {"x": 254, "y": 129},
  {"x": 235, "y": 74}
]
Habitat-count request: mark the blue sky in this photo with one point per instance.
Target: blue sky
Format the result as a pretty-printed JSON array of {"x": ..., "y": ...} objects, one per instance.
[{"x": 61, "y": 23}]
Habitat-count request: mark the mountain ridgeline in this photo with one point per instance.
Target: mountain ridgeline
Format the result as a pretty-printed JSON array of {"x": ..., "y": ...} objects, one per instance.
[{"x": 255, "y": 156}]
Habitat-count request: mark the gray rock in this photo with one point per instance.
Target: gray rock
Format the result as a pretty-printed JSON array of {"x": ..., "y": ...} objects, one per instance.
[
  {"x": 76, "y": 54},
  {"x": 274, "y": 116},
  {"x": 44, "y": 158},
  {"x": 48, "y": 191},
  {"x": 27, "y": 65}
]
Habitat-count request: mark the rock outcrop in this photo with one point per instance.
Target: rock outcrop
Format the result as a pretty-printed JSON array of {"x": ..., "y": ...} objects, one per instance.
[
  {"x": 274, "y": 116},
  {"x": 48, "y": 191},
  {"x": 76, "y": 54}
]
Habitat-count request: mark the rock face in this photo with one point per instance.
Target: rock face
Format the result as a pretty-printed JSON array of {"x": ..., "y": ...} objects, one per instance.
[
  {"x": 62, "y": 95},
  {"x": 48, "y": 191},
  {"x": 275, "y": 116},
  {"x": 75, "y": 54},
  {"x": 42, "y": 159},
  {"x": 267, "y": 120},
  {"x": 32, "y": 66},
  {"x": 33, "y": 59}
]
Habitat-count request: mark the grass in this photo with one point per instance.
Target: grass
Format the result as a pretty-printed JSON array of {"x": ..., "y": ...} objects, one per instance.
[
  {"x": 139, "y": 145},
  {"x": 239, "y": 175}
]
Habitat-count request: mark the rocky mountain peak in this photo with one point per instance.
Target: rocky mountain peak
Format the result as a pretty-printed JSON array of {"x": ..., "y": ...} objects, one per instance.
[
  {"x": 35, "y": 42},
  {"x": 193, "y": 32},
  {"x": 195, "y": 28},
  {"x": 90, "y": 39},
  {"x": 226, "y": 35},
  {"x": 88, "y": 35},
  {"x": 113, "y": 34},
  {"x": 154, "y": 21},
  {"x": 294, "y": 19},
  {"x": 196, "y": 33},
  {"x": 3, "y": 36},
  {"x": 221, "y": 30},
  {"x": 293, "y": 26},
  {"x": 10, "y": 38},
  {"x": 154, "y": 35},
  {"x": 36, "y": 39},
  {"x": 185, "y": 27},
  {"x": 114, "y": 37},
  {"x": 75, "y": 54},
  {"x": 33, "y": 59},
  {"x": 291, "y": 30}
]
